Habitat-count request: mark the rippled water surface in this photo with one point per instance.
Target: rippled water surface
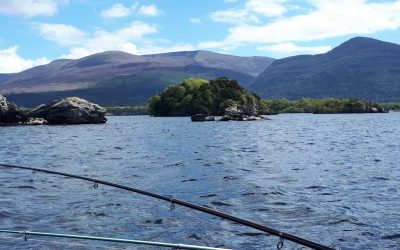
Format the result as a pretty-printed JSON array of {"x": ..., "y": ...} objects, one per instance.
[{"x": 333, "y": 179}]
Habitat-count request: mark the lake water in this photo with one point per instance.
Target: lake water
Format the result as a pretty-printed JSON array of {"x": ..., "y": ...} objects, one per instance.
[{"x": 333, "y": 179}]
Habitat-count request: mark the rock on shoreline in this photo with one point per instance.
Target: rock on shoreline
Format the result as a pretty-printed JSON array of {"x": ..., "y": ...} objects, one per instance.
[
  {"x": 71, "y": 110},
  {"x": 208, "y": 118},
  {"x": 232, "y": 113}
]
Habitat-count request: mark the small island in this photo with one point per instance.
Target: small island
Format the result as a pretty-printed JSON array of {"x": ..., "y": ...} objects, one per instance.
[
  {"x": 203, "y": 100},
  {"x": 71, "y": 110}
]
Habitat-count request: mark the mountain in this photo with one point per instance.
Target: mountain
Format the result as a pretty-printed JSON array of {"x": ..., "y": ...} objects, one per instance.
[
  {"x": 119, "y": 78},
  {"x": 362, "y": 68}
]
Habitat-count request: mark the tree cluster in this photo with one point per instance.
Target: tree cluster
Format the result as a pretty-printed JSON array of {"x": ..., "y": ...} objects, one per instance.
[
  {"x": 320, "y": 106},
  {"x": 198, "y": 96}
]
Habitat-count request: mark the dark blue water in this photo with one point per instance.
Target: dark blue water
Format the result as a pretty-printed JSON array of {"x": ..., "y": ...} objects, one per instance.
[{"x": 333, "y": 179}]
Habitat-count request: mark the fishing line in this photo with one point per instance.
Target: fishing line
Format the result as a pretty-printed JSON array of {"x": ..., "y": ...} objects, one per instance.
[
  {"x": 107, "y": 239},
  {"x": 62, "y": 243}
]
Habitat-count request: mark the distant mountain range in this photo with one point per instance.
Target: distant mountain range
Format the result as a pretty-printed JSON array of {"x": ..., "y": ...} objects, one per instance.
[
  {"x": 118, "y": 78},
  {"x": 363, "y": 68}
]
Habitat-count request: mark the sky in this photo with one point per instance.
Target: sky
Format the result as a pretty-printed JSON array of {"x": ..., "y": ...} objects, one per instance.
[{"x": 35, "y": 32}]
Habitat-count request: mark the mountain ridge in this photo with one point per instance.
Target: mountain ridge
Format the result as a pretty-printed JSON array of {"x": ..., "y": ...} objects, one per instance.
[
  {"x": 139, "y": 75},
  {"x": 361, "y": 68},
  {"x": 70, "y": 74}
]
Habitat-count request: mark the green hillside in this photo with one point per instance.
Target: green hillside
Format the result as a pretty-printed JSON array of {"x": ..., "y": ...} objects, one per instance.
[{"x": 361, "y": 68}]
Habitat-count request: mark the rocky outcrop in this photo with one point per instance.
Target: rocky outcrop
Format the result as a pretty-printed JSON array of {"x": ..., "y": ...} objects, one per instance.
[
  {"x": 242, "y": 113},
  {"x": 232, "y": 113},
  {"x": 3, "y": 103},
  {"x": 36, "y": 121},
  {"x": 376, "y": 110},
  {"x": 202, "y": 118},
  {"x": 242, "y": 118},
  {"x": 9, "y": 113},
  {"x": 70, "y": 110}
]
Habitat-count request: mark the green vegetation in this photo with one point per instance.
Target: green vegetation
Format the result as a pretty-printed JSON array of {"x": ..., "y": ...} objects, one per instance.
[
  {"x": 279, "y": 106},
  {"x": 198, "y": 96},
  {"x": 127, "y": 110},
  {"x": 319, "y": 106},
  {"x": 395, "y": 106}
]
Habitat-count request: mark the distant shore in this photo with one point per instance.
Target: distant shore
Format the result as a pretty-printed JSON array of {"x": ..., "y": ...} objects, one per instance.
[{"x": 284, "y": 107}]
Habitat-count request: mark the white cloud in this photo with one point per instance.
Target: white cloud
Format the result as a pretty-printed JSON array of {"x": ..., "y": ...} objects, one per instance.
[
  {"x": 61, "y": 33},
  {"x": 251, "y": 12},
  {"x": 29, "y": 8},
  {"x": 131, "y": 39},
  {"x": 116, "y": 11},
  {"x": 233, "y": 16},
  {"x": 83, "y": 43},
  {"x": 149, "y": 10},
  {"x": 269, "y": 8},
  {"x": 195, "y": 20},
  {"x": 330, "y": 19},
  {"x": 15, "y": 63},
  {"x": 324, "y": 19},
  {"x": 119, "y": 10},
  {"x": 136, "y": 30},
  {"x": 290, "y": 48}
]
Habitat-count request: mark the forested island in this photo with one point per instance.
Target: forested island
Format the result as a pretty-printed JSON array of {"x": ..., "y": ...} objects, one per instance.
[
  {"x": 214, "y": 97},
  {"x": 199, "y": 96}
]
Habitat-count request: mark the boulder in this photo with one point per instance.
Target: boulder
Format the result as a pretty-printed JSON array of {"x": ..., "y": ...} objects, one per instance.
[
  {"x": 202, "y": 118},
  {"x": 36, "y": 121},
  {"x": 242, "y": 113},
  {"x": 242, "y": 118},
  {"x": 373, "y": 110},
  {"x": 381, "y": 110},
  {"x": 3, "y": 109},
  {"x": 71, "y": 110},
  {"x": 234, "y": 110},
  {"x": 376, "y": 109},
  {"x": 3, "y": 103},
  {"x": 253, "y": 118}
]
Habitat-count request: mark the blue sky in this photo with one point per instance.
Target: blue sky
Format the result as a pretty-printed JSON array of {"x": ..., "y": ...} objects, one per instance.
[{"x": 34, "y": 32}]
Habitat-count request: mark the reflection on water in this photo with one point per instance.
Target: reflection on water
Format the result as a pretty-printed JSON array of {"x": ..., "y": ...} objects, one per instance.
[{"x": 333, "y": 179}]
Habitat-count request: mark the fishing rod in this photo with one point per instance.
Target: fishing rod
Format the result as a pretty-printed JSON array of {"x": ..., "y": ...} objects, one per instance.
[
  {"x": 96, "y": 238},
  {"x": 282, "y": 235}
]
